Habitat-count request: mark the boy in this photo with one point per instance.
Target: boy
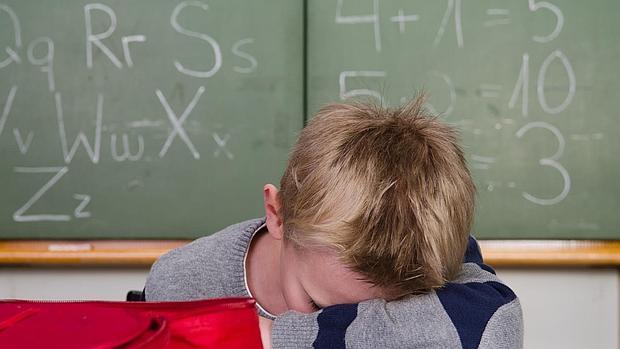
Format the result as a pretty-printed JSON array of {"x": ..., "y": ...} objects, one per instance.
[{"x": 357, "y": 247}]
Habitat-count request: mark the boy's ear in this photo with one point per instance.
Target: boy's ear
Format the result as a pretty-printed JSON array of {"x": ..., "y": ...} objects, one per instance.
[{"x": 272, "y": 211}]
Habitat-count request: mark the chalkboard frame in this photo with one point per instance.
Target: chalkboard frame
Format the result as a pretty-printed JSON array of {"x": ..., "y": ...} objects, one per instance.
[{"x": 497, "y": 253}]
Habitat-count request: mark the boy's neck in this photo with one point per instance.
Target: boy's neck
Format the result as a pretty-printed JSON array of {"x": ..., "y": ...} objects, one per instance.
[{"x": 263, "y": 272}]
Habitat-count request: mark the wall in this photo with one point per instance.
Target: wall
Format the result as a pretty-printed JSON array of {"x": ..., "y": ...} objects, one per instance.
[
  {"x": 563, "y": 308},
  {"x": 568, "y": 308}
]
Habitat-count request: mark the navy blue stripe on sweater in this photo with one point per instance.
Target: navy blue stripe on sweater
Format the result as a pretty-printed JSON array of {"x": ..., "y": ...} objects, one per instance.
[
  {"x": 470, "y": 306},
  {"x": 333, "y": 323},
  {"x": 473, "y": 255}
]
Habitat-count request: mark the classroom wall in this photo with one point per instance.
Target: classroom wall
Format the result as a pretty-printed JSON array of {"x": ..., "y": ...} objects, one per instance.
[{"x": 563, "y": 308}]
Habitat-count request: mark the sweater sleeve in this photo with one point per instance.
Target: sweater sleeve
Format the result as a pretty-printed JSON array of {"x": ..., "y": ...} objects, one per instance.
[
  {"x": 209, "y": 267},
  {"x": 474, "y": 310}
]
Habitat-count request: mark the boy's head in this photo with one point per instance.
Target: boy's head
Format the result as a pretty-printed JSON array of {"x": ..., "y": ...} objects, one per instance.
[{"x": 387, "y": 191}]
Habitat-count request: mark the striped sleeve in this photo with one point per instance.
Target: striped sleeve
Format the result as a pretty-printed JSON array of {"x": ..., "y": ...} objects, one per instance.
[{"x": 476, "y": 310}]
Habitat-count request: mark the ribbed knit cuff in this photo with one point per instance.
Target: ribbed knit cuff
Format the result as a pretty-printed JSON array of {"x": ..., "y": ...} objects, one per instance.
[{"x": 294, "y": 330}]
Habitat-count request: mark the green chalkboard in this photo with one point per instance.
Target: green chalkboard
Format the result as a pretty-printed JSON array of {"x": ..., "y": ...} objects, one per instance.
[
  {"x": 533, "y": 86},
  {"x": 163, "y": 119},
  {"x": 144, "y": 119}
]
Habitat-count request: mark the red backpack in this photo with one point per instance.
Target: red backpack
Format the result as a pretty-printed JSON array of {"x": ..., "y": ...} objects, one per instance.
[{"x": 228, "y": 323}]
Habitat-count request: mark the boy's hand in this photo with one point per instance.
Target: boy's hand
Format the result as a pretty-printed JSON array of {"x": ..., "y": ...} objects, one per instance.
[{"x": 265, "y": 331}]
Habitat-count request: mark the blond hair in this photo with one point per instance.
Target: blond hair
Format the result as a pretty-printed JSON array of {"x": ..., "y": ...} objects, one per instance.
[{"x": 388, "y": 189}]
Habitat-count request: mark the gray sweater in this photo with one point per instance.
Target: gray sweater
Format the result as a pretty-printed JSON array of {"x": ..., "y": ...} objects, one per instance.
[{"x": 476, "y": 310}]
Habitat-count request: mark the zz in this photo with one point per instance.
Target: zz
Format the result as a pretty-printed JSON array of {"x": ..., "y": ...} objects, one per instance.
[{"x": 20, "y": 216}]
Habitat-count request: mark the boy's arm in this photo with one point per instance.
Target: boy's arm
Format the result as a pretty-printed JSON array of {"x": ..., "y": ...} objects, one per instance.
[{"x": 476, "y": 310}]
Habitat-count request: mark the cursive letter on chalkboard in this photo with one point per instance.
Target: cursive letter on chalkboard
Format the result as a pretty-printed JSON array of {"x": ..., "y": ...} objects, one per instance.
[
  {"x": 221, "y": 145},
  {"x": 217, "y": 53},
  {"x": 46, "y": 62},
  {"x": 177, "y": 123},
  {"x": 19, "y": 215},
  {"x": 7, "y": 107},
  {"x": 79, "y": 210},
  {"x": 21, "y": 144},
  {"x": 126, "y": 155},
  {"x": 126, "y": 40},
  {"x": 93, "y": 153},
  {"x": 236, "y": 50},
  {"x": 13, "y": 56},
  {"x": 95, "y": 39}
]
